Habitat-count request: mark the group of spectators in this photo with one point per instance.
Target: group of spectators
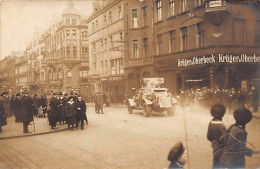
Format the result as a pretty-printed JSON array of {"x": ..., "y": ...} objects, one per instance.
[
  {"x": 109, "y": 99},
  {"x": 231, "y": 99},
  {"x": 58, "y": 107}
]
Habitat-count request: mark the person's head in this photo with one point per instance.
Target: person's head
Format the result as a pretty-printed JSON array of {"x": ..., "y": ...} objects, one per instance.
[
  {"x": 79, "y": 97},
  {"x": 242, "y": 116},
  {"x": 176, "y": 152},
  {"x": 218, "y": 111}
]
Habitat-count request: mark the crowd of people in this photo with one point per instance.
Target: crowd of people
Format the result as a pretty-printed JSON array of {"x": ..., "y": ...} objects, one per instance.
[
  {"x": 57, "y": 107},
  {"x": 231, "y": 99}
]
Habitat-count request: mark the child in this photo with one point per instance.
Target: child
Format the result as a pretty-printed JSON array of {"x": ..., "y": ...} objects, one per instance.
[
  {"x": 216, "y": 132},
  {"x": 176, "y": 156},
  {"x": 40, "y": 112},
  {"x": 233, "y": 155}
]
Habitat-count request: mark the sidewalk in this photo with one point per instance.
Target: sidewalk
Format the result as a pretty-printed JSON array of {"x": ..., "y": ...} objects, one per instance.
[{"x": 15, "y": 130}]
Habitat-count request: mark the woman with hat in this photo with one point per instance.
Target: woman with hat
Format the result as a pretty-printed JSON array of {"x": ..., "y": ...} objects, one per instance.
[
  {"x": 71, "y": 112},
  {"x": 233, "y": 155},
  {"x": 177, "y": 156}
]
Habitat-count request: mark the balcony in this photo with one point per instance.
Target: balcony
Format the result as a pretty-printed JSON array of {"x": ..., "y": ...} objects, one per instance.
[
  {"x": 217, "y": 6},
  {"x": 139, "y": 62}
]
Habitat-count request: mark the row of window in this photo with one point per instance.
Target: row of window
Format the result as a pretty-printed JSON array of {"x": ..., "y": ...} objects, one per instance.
[
  {"x": 66, "y": 34},
  {"x": 116, "y": 66},
  {"x": 69, "y": 51},
  {"x": 108, "y": 19},
  {"x": 171, "y": 37},
  {"x": 70, "y": 21},
  {"x": 171, "y": 11},
  {"x": 101, "y": 45}
]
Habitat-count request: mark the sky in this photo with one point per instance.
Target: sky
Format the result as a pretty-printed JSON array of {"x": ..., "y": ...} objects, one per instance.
[{"x": 20, "y": 18}]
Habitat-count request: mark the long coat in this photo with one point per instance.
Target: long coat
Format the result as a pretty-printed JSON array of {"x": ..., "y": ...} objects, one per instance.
[
  {"x": 233, "y": 155},
  {"x": 81, "y": 114},
  {"x": 2, "y": 114},
  {"x": 17, "y": 106},
  {"x": 27, "y": 109},
  {"x": 53, "y": 113},
  {"x": 61, "y": 109},
  {"x": 71, "y": 113}
]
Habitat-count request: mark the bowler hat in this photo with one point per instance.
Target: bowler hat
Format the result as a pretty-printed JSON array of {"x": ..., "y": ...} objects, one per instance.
[
  {"x": 242, "y": 116},
  {"x": 18, "y": 94},
  {"x": 176, "y": 151},
  {"x": 60, "y": 93}
]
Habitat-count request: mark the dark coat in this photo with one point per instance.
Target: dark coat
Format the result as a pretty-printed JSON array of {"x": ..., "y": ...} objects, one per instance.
[
  {"x": 235, "y": 150},
  {"x": 43, "y": 102},
  {"x": 53, "y": 113},
  {"x": 2, "y": 114},
  {"x": 27, "y": 109},
  {"x": 61, "y": 109},
  {"x": 71, "y": 113},
  {"x": 17, "y": 107},
  {"x": 81, "y": 114}
]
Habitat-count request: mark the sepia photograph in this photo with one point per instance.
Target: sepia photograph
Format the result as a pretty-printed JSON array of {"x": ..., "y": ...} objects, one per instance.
[{"x": 129, "y": 84}]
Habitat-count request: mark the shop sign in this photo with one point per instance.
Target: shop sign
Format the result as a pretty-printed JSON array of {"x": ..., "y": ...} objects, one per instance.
[
  {"x": 164, "y": 64},
  {"x": 243, "y": 58},
  {"x": 116, "y": 78},
  {"x": 198, "y": 60},
  {"x": 214, "y": 3},
  {"x": 103, "y": 79}
]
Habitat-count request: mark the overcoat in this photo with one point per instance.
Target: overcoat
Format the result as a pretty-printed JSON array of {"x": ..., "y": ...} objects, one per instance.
[
  {"x": 81, "y": 114},
  {"x": 27, "y": 109},
  {"x": 233, "y": 155},
  {"x": 71, "y": 113},
  {"x": 61, "y": 109},
  {"x": 53, "y": 113},
  {"x": 17, "y": 107}
]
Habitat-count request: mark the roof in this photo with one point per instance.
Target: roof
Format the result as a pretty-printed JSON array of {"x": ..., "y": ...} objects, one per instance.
[{"x": 71, "y": 10}]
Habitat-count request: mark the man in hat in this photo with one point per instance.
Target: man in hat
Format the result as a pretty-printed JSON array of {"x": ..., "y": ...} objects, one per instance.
[
  {"x": 61, "y": 108},
  {"x": 27, "y": 111},
  {"x": 235, "y": 149},
  {"x": 81, "y": 112},
  {"x": 2, "y": 114},
  {"x": 255, "y": 98},
  {"x": 53, "y": 113},
  {"x": 6, "y": 102}
]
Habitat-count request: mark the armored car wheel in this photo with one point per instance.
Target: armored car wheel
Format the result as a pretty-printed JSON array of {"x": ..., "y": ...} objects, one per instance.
[
  {"x": 147, "y": 110},
  {"x": 170, "y": 111}
]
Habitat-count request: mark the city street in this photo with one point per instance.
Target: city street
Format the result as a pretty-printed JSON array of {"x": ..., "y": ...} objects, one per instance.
[{"x": 118, "y": 140}]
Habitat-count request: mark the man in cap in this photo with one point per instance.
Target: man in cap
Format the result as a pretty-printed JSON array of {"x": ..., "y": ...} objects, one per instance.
[{"x": 177, "y": 156}]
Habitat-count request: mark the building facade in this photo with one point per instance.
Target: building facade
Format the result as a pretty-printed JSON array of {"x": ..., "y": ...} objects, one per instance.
[
  {"x": 107, "y": 47},
  {"x": 194, "y": 44}
]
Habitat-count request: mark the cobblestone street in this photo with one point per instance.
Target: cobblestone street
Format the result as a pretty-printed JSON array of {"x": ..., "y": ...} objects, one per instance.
[{"x": 118, "y": 140}]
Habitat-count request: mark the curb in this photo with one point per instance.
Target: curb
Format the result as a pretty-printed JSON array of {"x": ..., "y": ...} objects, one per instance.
[
  {"x": 33, "y": 134},
  {"x": 109, "y": 106}
]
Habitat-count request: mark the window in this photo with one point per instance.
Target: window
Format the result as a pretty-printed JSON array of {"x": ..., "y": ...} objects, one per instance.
[
  {"x": 199, "y": 2},
  {"x": 102, "y": 67},
  {"x": 159, "y": 10},
  {"x": 200, "y": 35},
  {"x": 111, "y": 41},
  {"x": 67, "y": 21},
  {"x": 135, "y": 49},
  {"x": 93, "y": 25},
  {"x": 96, "y": 23},
  {"x": 105, "y": 20},
  {"x": 171, "y": 8},
  {"x": 106, "y": 67},
  {"x": 83, "y": 73},
  {"x": 120, "y": 12},
  {"x": 184, "y": 38},
  {"x": 121, "y": 37},
  {"x": 183, "y": 5},
  {"x": 144, "y": 10},
  {"x": 68, "y": 51},
  {"x": 239, "y": 32},
  {"x": 74, "y": 21},
  {"x": 94, "y": 48},
  {"x": 84, "y": 35},
  {"x": 110, "y": 17},
  {"x": 134, "y": 18},
  {"x": 101, "y": 45},
  {"x": 74, "y": 34},
  {"x": 105, "y": 43},
  {"x": 67, "y": 34},
  {"x": 172, "y": 41},
  {"x": 84, "y": 52},
  {"x": 159, "y": 41},
  {"x": 74, "y": 51},
  {"x": 112, "y": 63},
  {"x": 145, "y": 47}
]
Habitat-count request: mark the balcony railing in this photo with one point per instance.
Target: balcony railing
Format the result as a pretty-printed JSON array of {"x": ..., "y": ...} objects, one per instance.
[
  {"x": 217, "y": 6},
  {"x": 139, "y": 62}
]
